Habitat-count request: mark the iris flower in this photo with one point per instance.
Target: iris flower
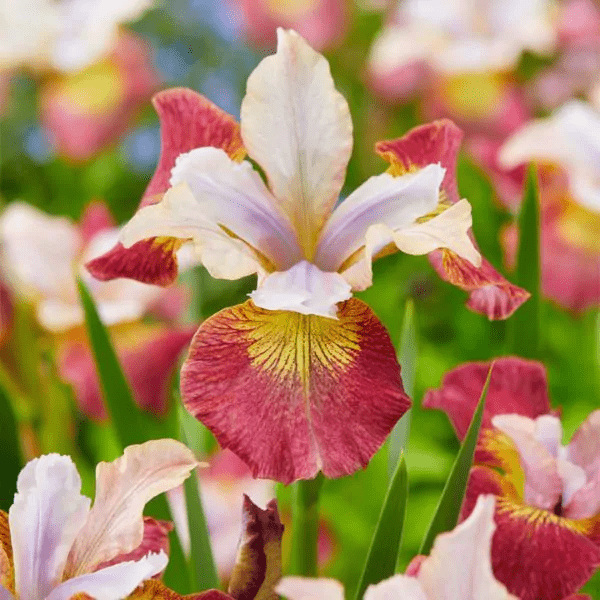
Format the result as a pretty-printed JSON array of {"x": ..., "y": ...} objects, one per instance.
[
  {"x": 566, "y": 145},
  {"x": 302, "y": 377},
  {"x": 462, "y": 56},
  {"x": 439, "y": 576},
  {"x": 547, "y": 541},
  {"x": 54, "y": 546}
]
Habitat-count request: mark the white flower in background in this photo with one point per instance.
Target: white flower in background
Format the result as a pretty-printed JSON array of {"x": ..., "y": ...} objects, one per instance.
[
  {"x": 41, "y": 255},
  {"x": 464, "y": 35},
  {"x": 64, "y": 35}
]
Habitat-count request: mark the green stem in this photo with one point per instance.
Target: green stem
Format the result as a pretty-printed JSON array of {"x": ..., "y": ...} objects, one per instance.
[{"x": 305, "y": 526}]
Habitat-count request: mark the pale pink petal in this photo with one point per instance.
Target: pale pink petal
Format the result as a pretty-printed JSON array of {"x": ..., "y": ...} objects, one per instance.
[
  {"x": 395, "y": 588},
  {"x": 393, "y": 201},
  {"x": 585, "y": 502},
  {"x": 5, "y": 594},
  {"x": 298, "y": 129},
  {"x": 38, "y": 251},
  {"x": 114, "y": 582},
  {"x": 543, "y": 485},
  {"x": 225, "y": 209},
  {"x": 460, "y": 566},
  {"x": 304, "y": 289},
  {"x": 44, "y": 520},
  {"x": 584, "y": 449},
  {"x": 123, "y": 487},
  {"x": 305, "y": 588},
  {"x": 96, "y": 217}
]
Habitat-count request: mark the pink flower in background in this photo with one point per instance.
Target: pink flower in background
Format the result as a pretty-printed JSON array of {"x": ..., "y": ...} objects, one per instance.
[
  {"x": 547, "y": 541},
  {"x": 41, "y": 255},
  {"x": 222, "y": 488},
  {"x": 576, "y": 71},
  {"x": 567, "y": 148},
  {"x": 86, "y": 110},
  {"x": 461, "y": 57},
  {"x": 322, "y": 23},
  {"x": 53, "y": 546},
  {"x": 439, "y": 576}
]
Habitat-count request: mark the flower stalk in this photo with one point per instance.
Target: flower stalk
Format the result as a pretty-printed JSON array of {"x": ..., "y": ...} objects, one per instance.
[{"x": 305, "y": 526}]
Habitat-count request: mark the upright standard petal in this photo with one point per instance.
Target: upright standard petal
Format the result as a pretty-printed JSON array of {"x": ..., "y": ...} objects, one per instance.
[
  {"x": 123, "y": 487},
  {"x": 298, "y": 129},
  {"x": 517, "y": 386},
  {"x": 294, "y": 394},
  {"x": 114, "y": 582},
  {"x": 471, "y": 577},
  {"x": 188, "y": 121},
  {"x": 489, "y": 293},
  {"x": 45, "y": 519}
]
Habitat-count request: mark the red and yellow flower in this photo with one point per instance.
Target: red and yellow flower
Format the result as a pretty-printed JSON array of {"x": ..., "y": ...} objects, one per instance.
[
  {"x": 302, "y": 377},
  {"x": 547, "y": 541}
]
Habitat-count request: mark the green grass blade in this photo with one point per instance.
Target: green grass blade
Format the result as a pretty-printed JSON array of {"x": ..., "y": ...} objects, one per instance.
[
  {"x": 385, "y": 544},
  {"x": 202, "y": 567},
  {"x": 447, "y": 512},
  {"x": 525, "y": 324},
  {"x": 407, "y": 357},
  {"x": 132, "y": 426},
  {"x": 11, "y": 452}
]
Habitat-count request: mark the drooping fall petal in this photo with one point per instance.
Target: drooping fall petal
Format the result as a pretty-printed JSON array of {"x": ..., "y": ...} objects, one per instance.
[
  {"x": 489, "y": 292},
  {"x": 123, "y": 487},
  {"x": 293, "y": 394},
  {"x": 258, "y": 561},
  {"x": 44, "y": 520},
  {"x": 188, "y": 121},
  {"x": 517, "y": 386},
  {"x": 298, "y": 129}
]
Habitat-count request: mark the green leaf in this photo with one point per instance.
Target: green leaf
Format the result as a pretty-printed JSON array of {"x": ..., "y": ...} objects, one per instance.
[
  {"x": 525, "y": 325},
  {"x": 447, "y": 512},
  {"x": 385, "y": 544},
  {"x": 407, "y": 357},
  {"x": 132, "y": 426},
  {"x": 202, "y": 568},
  {"x": 11, "y": 451},
  {"x": 305, "y": 526}
]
